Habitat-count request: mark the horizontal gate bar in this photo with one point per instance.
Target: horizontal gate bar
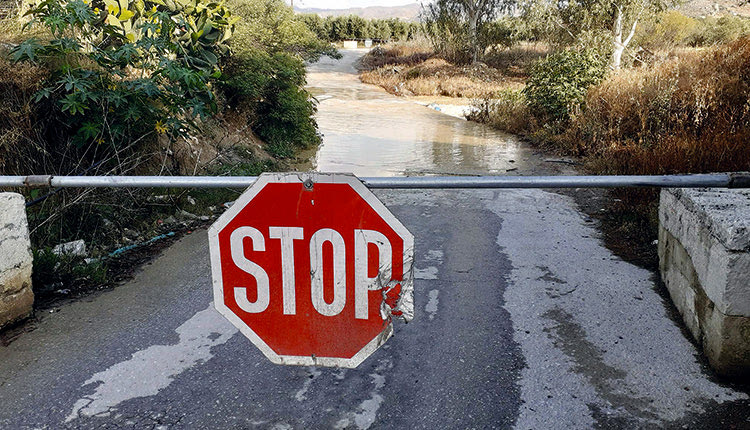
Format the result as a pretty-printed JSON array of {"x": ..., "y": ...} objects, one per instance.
[{"x": 714, "y": 180}]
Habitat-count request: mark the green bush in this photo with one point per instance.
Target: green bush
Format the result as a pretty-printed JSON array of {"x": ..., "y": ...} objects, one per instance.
[
  {"x": 667, "y": 30},
  {"x": 336, "y": 29},
  {"x": 269, "y": 88},
  {"x": 506, "y": 32},
  {"x": 714, "y": 31},
  {"x": 559, "y": 83},
  {"x": 272, "y": 26},
  {"x": 121, "y": 73},
  {"x": 265, "y": 77},
  {"x": 449, "y": 35}
]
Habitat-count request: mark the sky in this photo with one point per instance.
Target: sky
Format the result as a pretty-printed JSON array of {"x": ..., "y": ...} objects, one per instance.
[{"x": 345, "y": 4}]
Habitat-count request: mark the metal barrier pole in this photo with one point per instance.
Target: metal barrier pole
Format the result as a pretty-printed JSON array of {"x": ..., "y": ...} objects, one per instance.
[{"x": 714, "y": 180}]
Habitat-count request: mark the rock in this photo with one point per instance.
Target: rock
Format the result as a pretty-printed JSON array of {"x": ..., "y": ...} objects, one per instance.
[
  {"x": 187, "y": 215},
  {"x": 704, "y": 256},
  {"x": 191, "y": 200},
  {"x": 16, "y": 297},
  {"x": 130, "y": 234},
  {"x": 160, "y": 198},
  {"x": 377, "y": 51},
  {"x": 76, "y": 248}
]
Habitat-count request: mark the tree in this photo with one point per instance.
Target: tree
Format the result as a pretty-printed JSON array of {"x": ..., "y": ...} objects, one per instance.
[
  {"x": 461, "y": 22},
  {"x": 271, "y": 25},
  {"x": 610, "y": 23}
]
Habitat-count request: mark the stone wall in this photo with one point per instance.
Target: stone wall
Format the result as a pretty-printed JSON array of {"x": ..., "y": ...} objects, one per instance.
[
  {"x": 704, "y": 252},
  {"x": 16, "y": 297}
]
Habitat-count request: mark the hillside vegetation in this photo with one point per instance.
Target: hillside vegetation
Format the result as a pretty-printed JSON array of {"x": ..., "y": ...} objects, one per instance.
[{"x": 347, "y": 27}]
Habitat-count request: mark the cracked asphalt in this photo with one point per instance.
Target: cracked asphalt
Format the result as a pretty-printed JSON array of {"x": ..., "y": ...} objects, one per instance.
[{"x": 524, "y": 320}]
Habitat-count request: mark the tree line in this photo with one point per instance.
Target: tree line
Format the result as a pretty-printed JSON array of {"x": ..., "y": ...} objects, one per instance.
[{"x": 336, "y": 29}]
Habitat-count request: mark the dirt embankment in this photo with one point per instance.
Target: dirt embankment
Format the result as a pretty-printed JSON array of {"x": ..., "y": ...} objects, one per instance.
[{"x": 414, "y": 70}]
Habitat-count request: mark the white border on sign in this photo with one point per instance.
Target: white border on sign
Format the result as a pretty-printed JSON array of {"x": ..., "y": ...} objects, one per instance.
[{"x": 406, "y": 301}]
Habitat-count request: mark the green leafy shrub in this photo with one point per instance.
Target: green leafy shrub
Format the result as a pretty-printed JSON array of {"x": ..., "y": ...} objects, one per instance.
[
  {"x": 265, "y": 76},
  {"x": 336, "y": 29},
  {"x": 558, "y": 84},
  {"x": 122, "y": 72},
  {"x": 448, "y": 35},
  {"x": 506, "y": 32},
  {"x": 269, "y": 87}
]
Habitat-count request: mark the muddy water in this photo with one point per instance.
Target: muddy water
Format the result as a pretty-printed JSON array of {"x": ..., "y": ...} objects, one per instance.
[{"x": 368, "y": 132}]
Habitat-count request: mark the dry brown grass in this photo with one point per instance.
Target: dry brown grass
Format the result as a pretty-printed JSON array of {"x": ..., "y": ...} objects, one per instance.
[
  {"x": 508, "y": 111},
  {"x": 13, "y": 32},
  {"x": 407, "y": 53},
  {"x": 689, "y": 114},
  {"x": 20, "y": 134},
  {"x": 517, "y": 61},
  {"x": 406, "y": 70}
]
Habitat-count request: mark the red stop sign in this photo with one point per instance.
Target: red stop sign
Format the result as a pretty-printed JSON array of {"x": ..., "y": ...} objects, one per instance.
[{"x": 311, "y": 268}]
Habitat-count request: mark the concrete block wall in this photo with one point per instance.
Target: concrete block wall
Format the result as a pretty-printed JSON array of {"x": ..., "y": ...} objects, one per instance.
[
  {"x": 16, "y": 297},
  {"x": 704, "y": 252}
]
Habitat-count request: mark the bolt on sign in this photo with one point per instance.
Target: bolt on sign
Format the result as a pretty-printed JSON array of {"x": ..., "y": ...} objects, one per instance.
[{"x": 312, "y": 268}]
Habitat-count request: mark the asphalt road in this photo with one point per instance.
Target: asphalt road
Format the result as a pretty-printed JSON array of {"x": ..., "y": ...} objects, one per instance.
[{"x": 524, "y": 320}]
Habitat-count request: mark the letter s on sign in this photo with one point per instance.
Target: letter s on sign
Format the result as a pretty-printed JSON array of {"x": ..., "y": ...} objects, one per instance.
[{"x": 261, "y": 277}]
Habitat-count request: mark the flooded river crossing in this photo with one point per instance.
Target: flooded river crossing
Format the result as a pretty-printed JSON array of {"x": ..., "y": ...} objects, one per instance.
[{"x": 368, "y": 132}]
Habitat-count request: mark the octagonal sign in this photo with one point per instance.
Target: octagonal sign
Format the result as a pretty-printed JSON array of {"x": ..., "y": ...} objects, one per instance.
[{"x": 312, "y": 268}]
